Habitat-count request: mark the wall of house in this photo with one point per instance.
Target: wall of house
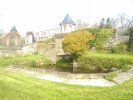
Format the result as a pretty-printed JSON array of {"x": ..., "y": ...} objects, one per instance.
[
  {"x": 10, "y": 39},
  {"x": 28, "y": 39},
  {"x": 66, "y": 28},
  {"x": 43, "y": 35}
]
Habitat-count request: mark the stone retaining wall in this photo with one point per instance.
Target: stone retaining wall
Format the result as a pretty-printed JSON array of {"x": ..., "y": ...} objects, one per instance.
[{"x": 59, "y": 74}]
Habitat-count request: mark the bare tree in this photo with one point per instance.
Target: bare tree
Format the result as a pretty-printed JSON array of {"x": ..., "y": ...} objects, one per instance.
[
  {"x": 122, "y": 17},
  {"x": 95, "y": 25},
  {"x": 81, "y": 24},
  {"x": 129, "y": 22},
  {"x": 114, "y": 22}
]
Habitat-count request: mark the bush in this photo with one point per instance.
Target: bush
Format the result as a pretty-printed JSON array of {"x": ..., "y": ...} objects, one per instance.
[
  {"x": 36, "y": 53},
  {"x": 130, "y": 44},
  {"x": 33, "y": 63},
  {"x": 101, "y": 36},
  {"x": 64, "y": 64},
  {"x": 47, "y": 62},
  {"x": 103, "y": 62},
  {"x": 120, "y": 48},
  {"x": 77, "y": 42}
]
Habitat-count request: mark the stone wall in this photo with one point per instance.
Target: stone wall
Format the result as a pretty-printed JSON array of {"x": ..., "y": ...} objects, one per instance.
[
  {"x": 4, "y": 53},
  {"x": 30, "y": 48},
  {"x": 60, "y": 74},
  {"x": 17, "y": 50},
  {"x": 118, "y": 37},
  {"x": 58, "y": 46}
]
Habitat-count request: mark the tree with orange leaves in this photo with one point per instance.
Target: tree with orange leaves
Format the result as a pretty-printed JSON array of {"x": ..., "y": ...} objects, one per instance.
[{"x": 77, "y": 42}]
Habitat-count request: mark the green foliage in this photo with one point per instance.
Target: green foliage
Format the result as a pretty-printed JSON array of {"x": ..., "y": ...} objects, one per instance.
[
  {"x": 36, "y": 53},
  {"x": 64, "y": 64},
  {"x": 77, "y": 42},
  {"x": 131, "y": 39},
  {"x": 47, "y": 62},
  {"x": 120, "y": 48},
  {"x": 98, "y": 62},
  {"x": 26, "y": 60},
  {"x": 45, "y": 43},
  {"x": 33, "y": 63},
  {"x": 101, "y": 36},
  {"x": 17, "y": 86},
  {"x": 108, "y": 23},
  {"x": 102, "y": 23}
]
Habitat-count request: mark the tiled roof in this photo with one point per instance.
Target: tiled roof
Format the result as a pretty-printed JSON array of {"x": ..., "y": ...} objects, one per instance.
[{"x": 67, "y": 20}]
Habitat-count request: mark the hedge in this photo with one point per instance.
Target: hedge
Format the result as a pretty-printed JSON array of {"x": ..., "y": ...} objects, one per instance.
[
  {"x": 64, "y": 64},
  {"x": 98, "y": 62}
]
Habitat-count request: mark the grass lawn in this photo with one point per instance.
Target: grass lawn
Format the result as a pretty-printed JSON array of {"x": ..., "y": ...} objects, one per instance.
[
  {"x": 14, "y": 86},
  {"x": 19, "y": 60},
  {"x": 128, "y": 58}
]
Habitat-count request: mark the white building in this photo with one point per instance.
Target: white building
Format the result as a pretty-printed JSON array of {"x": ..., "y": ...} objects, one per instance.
[
  {"x": 29, "y": 38},
  {"x": 43, "y": 35},
  {"x": 66, "y": 26}
]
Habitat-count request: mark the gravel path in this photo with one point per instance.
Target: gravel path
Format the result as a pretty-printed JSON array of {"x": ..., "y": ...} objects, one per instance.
[
  {"x": 92, "y": 82},
  {"x": 54, "y": 78},
  {"x": 123, "y": 77}
]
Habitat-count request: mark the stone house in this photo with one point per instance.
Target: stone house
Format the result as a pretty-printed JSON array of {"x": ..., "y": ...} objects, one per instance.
[{"x": 11, "y": 39}]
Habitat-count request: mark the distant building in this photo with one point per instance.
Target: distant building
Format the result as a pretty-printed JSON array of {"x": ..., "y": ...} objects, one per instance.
[
  {"x": 29, "y": 38},
  {"x": 43, "y": 35},
  {"x": 11, "y": 39},
  {"x": 66, "y": 26}
]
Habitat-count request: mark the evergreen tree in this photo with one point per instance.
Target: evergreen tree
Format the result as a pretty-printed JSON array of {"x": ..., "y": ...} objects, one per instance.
[
  {"x": 13, "y": 29},
  {"x": 131, "y": 39},
  {"x": 108, "y": 23},
  {"x": 102, "y": 23}
]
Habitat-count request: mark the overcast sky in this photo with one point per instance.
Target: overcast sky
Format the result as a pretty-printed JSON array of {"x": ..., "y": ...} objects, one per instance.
[{"x": 39, "y": 15}]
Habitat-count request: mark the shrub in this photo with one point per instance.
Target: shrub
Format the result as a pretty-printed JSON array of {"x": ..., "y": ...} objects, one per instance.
[
  {"x": 64, "y": 64},
  {"x": 130, "y": 44},
  {"x": 47, "y": 62},
  {"x": 103, "y": 62},
  {"x": 36, "y": 53},
  {"x": 120, "y": 48},
  {"x": 77, "y": 42},
  {"x": 101, "y": 36},
  {"x": 33, "y": 63}
]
